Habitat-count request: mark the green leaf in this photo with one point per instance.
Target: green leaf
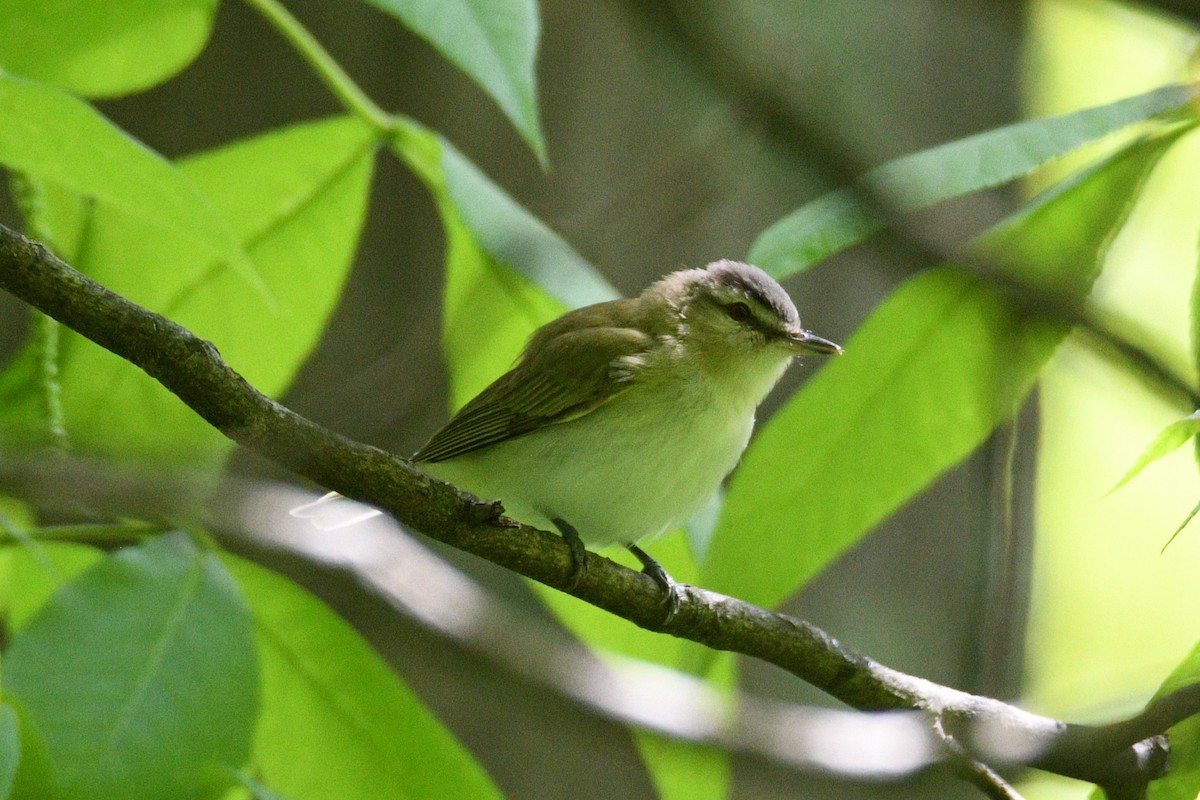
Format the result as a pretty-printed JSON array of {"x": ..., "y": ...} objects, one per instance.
[
  {"x": 507, "y": 274},
  {"x": 925, "y": 380},
  {"x": 141, "y": 675},
  {"x": 839, "y": 219},
  {"x": 102, "y": 48},
  {"x": 33, "y": 779},
  {"x": 1169, "y": 439},
  {"x": 685, "y": 771},
  {"x": 31, "y": 574},
  {"x": 10, "y": 750},
  {"x": 489, "y": 313},
  {"x": 490, "y": 309},
  {"x": 1182, "y": 781},
  {"x": 493, "y": 41},
  {"x": 511, "y": 236},
  {"x": 1187, "y": 520},
  {"x": 336, "y": 722},
  {"x": 297, "y": 200},
  {"x": 60, "y": 139}
]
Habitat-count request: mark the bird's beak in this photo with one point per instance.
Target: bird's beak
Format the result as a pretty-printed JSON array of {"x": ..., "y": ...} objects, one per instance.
[{"x": 806, "y": 342}]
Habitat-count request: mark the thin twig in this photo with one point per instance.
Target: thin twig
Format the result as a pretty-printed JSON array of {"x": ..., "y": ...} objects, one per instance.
[
  {"x": 987, "y": 779},
  {"x": 973, "y": 770}
]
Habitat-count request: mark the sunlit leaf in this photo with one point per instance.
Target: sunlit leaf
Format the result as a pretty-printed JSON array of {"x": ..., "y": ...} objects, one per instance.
[
  {"x": 1182, "y": 781},
  {"x": 33, "y": 573},
  {"x": 141, "y": 675},
  {"x": 336, "y": 722},
  {"x": 1169, "y": 439},
  {"x": 507, "y": 274},
  {"x": 493, "y": 41},
  {"x": 1187, "y": 520},
  {"x": 60, "y": 139},
  {"x": 924, "y": 381},
  {"x": 512, "y": 236},
  {"x": 840, "y": 219},
  {"x": 102, "y": 48},
  {"x": 685, "y": 771},
  {"x": 296, "y": 199}
]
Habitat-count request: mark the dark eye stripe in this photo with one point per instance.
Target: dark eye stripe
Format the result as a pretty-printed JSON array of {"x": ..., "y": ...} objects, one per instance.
[{"x": 739, "y": 312}]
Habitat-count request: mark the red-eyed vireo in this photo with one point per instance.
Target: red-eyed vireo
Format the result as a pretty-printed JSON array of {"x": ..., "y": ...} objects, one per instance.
[{"x": 621, "y": 419}]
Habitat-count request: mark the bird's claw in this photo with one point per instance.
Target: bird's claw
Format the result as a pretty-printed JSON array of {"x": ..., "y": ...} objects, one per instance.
[
  {"x": 672, "y": 595},
  {"x": 579, "y": 553}
]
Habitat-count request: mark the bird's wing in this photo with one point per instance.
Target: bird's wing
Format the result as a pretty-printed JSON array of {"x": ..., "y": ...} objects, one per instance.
[{"x": 562, "y": 378}]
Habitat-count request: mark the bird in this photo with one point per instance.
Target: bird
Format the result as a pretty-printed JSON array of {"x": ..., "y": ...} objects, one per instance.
[{"x": 621, "y": 419}]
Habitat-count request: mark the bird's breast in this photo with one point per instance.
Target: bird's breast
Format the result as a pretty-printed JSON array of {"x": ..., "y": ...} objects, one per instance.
[{"x": 632, "y": 468}]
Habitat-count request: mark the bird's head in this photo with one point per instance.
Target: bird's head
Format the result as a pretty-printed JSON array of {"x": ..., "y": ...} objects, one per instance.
[{"x": 730, "y": 309}]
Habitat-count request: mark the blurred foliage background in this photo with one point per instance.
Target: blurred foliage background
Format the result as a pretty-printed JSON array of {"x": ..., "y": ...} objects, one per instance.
[
  {"x": 676, "y": 132},
  {"x": 1105, "y": 617}
]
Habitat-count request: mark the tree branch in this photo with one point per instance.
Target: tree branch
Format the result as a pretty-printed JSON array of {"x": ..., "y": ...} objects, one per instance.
[
  {"x": 990, "y": 782},
  {"x": 1125, "y": 754}
]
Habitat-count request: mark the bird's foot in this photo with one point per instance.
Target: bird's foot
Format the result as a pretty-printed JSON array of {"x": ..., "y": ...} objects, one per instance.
[
  {"x": 671, "y": 594},
  {"x": 579, "y": 553}
]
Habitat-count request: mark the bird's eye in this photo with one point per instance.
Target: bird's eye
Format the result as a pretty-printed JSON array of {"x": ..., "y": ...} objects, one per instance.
[{"x": 739, "y": 312}]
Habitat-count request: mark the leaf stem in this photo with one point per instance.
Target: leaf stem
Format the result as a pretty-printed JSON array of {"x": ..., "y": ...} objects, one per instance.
[
  {"x": 87, "y": 533},
  {"x": 327, "y": 68},
  {"x": 29, "y": 197},
  {"x": 48, "y": 335},
  {"x": 414, "y": 143}
]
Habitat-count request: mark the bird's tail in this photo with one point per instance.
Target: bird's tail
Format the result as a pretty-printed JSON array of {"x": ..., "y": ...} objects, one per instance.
[{"x": 333, "y": 511}]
